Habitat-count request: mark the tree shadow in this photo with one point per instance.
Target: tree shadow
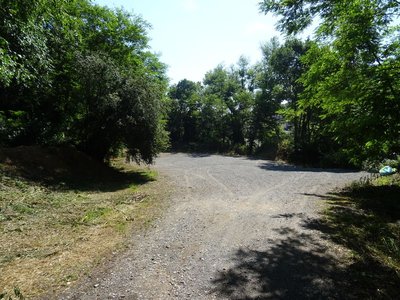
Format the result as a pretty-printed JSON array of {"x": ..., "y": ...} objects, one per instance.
[
  {"x": 198, "y": 155},
  {"x": 288, "y": 216},
  {"x": 294, "y": 267},
  {"x": 274, "y": 166},
  {"x": 382, "y": 201},
  {"x": 193, "y": 154},
  {"x": 67, "y": 169},
  {"x": 366, "y": 220},
  {"x": 363, "y": 227},
  {"x": 115, "y": 180}
]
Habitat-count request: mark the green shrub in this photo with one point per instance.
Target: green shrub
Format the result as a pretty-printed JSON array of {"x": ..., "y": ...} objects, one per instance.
[
  {"x": 285, "y": 149},
  {"x": 375, "y": 165}
]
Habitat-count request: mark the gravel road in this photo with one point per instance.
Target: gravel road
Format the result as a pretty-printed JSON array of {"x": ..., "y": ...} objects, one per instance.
[{"x": 237, "y": 228}]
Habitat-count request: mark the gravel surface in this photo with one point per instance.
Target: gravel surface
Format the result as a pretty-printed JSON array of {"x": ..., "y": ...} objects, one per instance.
[{"x": 237, "y": 228}]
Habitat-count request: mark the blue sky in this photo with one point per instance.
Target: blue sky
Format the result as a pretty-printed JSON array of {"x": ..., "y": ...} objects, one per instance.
[{"x": 194, "y": 36}]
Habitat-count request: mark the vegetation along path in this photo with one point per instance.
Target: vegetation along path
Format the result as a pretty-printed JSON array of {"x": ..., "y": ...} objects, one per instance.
[{"x": 237, "y": 228}]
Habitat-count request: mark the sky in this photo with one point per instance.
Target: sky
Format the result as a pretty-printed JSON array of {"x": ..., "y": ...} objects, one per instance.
[{"x": 194, "y": 36}]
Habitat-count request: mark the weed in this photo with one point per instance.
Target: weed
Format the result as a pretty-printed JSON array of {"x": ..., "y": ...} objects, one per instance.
[
  {"x": 22, "y": 208},
  {"x": 16, "y": 295},
  {"x": 71, "y": 277},
  {"x": 391, "y": 246},
  {"x": 374, "y": 166},
  {"x": 52, "y": 228},
  {"x": 365, "y": 217},
  {"x": 121, "y": 226},
  {"x": 96, "y": 213}
]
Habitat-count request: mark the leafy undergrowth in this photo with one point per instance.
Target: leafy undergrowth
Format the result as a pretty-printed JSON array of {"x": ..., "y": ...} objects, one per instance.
[
  {"x": 365, "y": 217},
  {"x": 55, "y": 230}
]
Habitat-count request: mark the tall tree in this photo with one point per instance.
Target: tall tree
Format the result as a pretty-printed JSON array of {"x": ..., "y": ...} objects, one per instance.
[
  {"x": 233, "y": 88},
  {"x": 183, "y": 113},
  {"x": 50, "y": 55},
  {"x": 279, "y": 94},
  {"x": 354, "y": 78},
  {"x": 216, "y": 115},
  {"x": 264, "y": 123}
]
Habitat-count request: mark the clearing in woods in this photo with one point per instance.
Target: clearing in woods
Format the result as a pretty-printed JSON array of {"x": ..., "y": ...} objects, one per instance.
[{"x": 237, "y": 228}]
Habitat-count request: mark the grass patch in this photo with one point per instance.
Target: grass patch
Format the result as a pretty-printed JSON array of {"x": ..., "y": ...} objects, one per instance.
[
  {"x": 365, "y": 218},
  {"x": 15, "y": 295},
  {"x": 53, "y": 232},
  {"x": 96, "y": 214}
]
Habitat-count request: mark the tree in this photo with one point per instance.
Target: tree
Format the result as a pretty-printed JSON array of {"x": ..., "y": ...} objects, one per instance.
[
  {"x": 214, "y": 116},
  {"x": 78, "y": 73},
  {"x": 233, "y": 89},
  {"x": 35, "y": 39},
  {"x": 264, "y": 124},
  {"x": 353, "y": 74},
  {"x": 286, "y": 64},
  {"x": 280, "y": 70},
  {"x": 120, "y": 86},
  {"x": 183, "y": 120}
]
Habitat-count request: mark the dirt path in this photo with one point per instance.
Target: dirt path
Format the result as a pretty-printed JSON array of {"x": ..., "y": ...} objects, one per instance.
[{"x": 236, "y": 229}]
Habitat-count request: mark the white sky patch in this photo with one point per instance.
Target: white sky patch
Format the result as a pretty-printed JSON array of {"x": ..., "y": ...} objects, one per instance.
[
  {"x": 255, "y": 28},
  {"x": 194, "y": 36},
  {"x": 190, "y": 5}
]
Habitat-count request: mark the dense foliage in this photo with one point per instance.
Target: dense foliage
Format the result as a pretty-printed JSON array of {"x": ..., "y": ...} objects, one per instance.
[
  {"x": 216, "y": 115},
  {"x": 351, "y": 82},
  {"x": 240, "y": 108},
  {"x": 334, "y": 100},
  {"x": 72, "y": 72}
]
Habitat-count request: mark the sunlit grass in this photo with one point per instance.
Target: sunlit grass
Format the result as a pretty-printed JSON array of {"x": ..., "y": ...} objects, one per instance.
[{"x": 51, "y": 234}]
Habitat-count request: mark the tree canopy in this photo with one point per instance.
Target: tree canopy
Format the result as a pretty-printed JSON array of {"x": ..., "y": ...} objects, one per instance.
[
  {"x": 72, "y": 72},
  {"x": 333, "y": 100},
  {"x": 351, "y": 84}
]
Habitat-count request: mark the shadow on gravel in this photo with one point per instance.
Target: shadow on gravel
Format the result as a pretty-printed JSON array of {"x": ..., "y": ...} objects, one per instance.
[
  {"x": 192, "y": 154},
  {"x": 365, "y": 220},
  {"x": 295, "y": 267},
  {"x": 288, "y": 216},
  {"x": 298, "y": 267},
  {"x": 198, "y": 155},
  {"x": 272, "y": 166}
]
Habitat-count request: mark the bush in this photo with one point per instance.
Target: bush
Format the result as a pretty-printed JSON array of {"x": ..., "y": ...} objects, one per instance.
[
  {"x": 394, "y": 163},
  {"x": 285, "y": 149},
  {"x": 375, "y": 165}
]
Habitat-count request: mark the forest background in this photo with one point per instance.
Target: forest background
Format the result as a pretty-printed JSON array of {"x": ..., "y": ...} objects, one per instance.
[{"x": 80, "y": 74}]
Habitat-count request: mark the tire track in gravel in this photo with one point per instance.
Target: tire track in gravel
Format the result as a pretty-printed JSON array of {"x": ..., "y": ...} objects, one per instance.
[
  {"x": 235, "y": 229},
  {"x": 223, "y": 186}
]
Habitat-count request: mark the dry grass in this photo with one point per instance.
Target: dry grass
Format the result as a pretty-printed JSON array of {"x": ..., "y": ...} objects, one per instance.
[{"x": 52, "y": 235}]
